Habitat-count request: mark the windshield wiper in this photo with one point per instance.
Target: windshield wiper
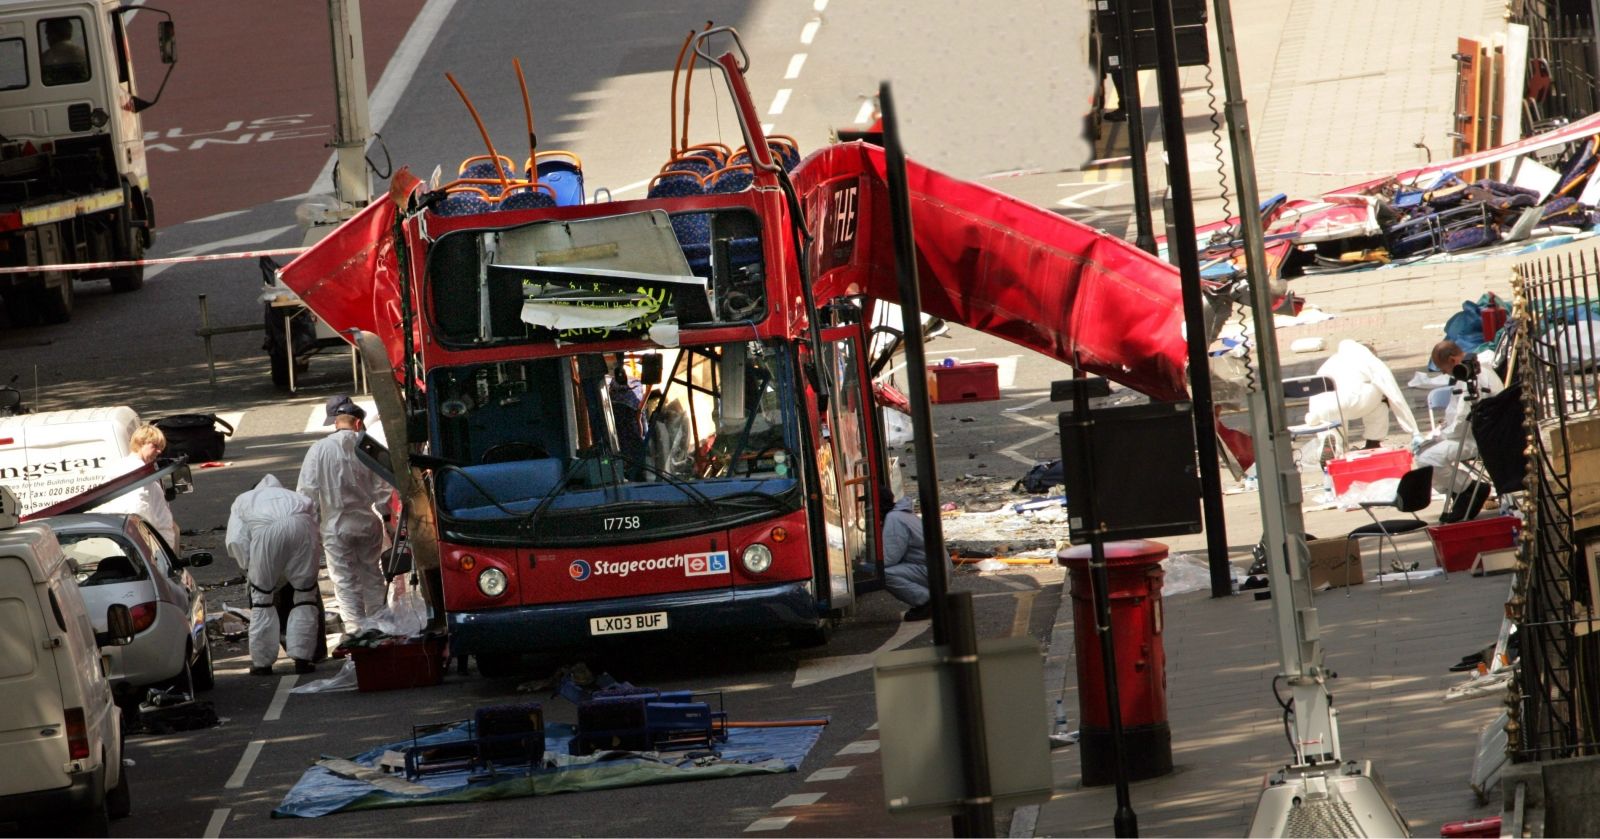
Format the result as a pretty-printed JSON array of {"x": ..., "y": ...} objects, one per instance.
[
  {"x": 687, "y": 489},
  {"x": 684, "y": 486}
]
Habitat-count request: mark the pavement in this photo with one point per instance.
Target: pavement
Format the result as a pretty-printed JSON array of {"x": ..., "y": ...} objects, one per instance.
[{"x": 1338, "y": 93}]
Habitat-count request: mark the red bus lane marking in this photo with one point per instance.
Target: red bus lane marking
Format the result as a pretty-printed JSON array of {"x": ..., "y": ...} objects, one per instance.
[{"x": 250, "y": 108}]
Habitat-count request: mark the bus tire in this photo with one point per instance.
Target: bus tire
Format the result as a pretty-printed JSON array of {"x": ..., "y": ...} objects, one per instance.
[
  {"x": 814, "y": 636},
  {"x": 497, "y": 665}
]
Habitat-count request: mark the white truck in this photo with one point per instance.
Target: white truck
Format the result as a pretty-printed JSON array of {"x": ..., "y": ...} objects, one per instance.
[{"x": 74, "y": 185}]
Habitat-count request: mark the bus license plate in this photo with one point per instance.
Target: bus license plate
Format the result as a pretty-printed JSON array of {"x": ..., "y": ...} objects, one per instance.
[{"x": 642, "y": 622}]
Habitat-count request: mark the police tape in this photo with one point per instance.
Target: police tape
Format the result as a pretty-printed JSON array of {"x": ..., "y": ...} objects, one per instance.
[{"x": 137, "y": 263}]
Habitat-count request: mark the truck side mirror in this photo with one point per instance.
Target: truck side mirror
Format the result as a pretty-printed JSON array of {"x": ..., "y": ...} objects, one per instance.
[
  {"x": 119, "y": 627},
  {"x": 168, "y": 37}
]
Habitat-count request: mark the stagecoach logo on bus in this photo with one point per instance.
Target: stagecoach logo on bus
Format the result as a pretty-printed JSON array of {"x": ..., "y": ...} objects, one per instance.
[{"x": 693, "y": 565}]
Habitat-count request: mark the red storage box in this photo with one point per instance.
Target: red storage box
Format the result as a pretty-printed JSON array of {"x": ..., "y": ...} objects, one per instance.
[
  {"x": 396, "y": 666},
  {"x": 1366, "y": 466},
  {"x": 972, "y": 381},
  {"x": 1457, "y": 545}
]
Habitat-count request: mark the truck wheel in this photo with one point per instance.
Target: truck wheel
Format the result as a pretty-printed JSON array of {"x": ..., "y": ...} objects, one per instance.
[
  {"x": 119, "y": 801},
  {"x": 55, "y": 304},
  {"x": 130, "y": 279}
]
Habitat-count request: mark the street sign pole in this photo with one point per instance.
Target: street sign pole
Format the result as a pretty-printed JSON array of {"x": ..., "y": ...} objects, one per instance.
[
  {"x": 952, "y": 614},
  {"x": 1194, "y": 320}
]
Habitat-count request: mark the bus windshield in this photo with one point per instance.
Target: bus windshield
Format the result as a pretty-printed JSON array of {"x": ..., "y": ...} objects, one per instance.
[{"x": 693, "y": 437}]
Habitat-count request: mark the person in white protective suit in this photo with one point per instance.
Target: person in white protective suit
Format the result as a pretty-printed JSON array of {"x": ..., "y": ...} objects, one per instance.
[
  {"x": 346, "y": 493},
  {"x": 1455, "y": 443},
  {"x": 1364, "y": 389},
  {"x": 149, "y": 501},
  {"x": 272, "y": 534}
]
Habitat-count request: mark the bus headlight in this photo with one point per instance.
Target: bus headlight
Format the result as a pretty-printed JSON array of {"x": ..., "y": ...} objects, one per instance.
[
  {"x": 492, "y": 582},
  {"x": 756, "y": 558}
]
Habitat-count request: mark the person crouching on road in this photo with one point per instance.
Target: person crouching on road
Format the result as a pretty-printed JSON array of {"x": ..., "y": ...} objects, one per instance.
[
  {"x": 346, "y": 492},
  {"x": 1364, "y": 389},
  {"x": 905, "y": 562},
  {"x": 272, "y": 534},
  {"x": 150, "y": 500}
]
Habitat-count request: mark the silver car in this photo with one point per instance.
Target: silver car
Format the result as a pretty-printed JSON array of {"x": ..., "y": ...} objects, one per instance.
[{"x": 122, "y": 559}]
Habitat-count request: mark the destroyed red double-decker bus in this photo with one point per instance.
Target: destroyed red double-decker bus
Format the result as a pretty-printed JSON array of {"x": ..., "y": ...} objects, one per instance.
[{"x": 656, "y": 416}]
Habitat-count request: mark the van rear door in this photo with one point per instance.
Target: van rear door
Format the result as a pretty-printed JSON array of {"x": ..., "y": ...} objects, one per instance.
[{"x": 33, "y": 742}]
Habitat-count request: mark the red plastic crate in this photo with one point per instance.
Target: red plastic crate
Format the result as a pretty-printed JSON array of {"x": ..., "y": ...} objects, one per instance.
[
  {"x": 972, "y": 381},
  {"x": 397, "y": 666},
  {"x": 1457, "y": 545},
  {"x": 1366, "y": 466}
]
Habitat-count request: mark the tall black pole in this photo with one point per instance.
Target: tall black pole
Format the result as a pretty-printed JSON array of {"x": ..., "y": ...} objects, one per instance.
[
  {"x": 1124, "y": 822},
  {"x": 952, "y": 614},
  {"x": 1128, "y": 94},
  {"x": 1194, "y": 320}
]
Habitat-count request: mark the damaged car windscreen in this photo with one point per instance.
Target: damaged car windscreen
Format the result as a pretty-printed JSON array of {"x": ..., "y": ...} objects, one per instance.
[{"x": 635, "y": 275}]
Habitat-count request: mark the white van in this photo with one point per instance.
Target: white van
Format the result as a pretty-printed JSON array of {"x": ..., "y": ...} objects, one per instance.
[
  {"x": 52, "y": 456},
  {"x": 60, "y": 734}
]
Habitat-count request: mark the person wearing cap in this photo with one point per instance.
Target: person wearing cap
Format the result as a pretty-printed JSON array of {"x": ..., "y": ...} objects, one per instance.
[{"x": 346, "y": 493}]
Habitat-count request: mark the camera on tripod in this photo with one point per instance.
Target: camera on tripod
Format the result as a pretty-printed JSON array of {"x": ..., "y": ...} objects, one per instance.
[{"x": 1467, "y": 371}]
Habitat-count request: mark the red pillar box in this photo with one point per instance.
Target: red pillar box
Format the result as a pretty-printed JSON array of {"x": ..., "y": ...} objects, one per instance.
[{"x": 1135, "y": 572}]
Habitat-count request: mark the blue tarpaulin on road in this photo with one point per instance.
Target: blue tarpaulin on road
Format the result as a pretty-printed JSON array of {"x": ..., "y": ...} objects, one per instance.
[{"x": 748, "y": 751}]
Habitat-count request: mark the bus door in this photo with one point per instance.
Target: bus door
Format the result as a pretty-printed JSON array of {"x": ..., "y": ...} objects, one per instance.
[{"x": 852, "y": 418}]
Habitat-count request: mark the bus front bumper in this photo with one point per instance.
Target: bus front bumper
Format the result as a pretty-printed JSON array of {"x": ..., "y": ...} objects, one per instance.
[{"x": 779, "y": 607}]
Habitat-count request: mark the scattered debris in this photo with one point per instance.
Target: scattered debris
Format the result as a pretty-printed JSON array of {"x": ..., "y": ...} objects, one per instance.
[
  {"x": 345, "y": 679},
  {"x": 228, "y": 625},
  {"x": 231, "y": 581},
  {"x": 169, "y": 710}
]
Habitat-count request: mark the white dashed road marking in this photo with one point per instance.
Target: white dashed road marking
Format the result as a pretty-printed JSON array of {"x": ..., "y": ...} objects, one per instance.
[
  {"x": 246, "y": 762},
  {"x": 831, "y": 773},
  {"x": 275, "y": 708},
  {"x": 219, "y": 819},
  {"x": 800, "y": 799},
  {"x": 769, "y": 823},
  {"x": 859, "y": 747}
]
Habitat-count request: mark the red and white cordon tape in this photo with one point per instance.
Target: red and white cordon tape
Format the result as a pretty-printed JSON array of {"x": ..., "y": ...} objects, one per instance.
[{"x": 135, "y": 263}]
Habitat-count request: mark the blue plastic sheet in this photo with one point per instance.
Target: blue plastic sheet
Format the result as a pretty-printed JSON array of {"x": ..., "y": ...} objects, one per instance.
[{"x": 748, "y": 751}]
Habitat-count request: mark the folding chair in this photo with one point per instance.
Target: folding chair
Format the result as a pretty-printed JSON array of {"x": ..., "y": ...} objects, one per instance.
[
  {"x": 1301, "y": 389},
  {"x": 1413, "y": 495}
]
